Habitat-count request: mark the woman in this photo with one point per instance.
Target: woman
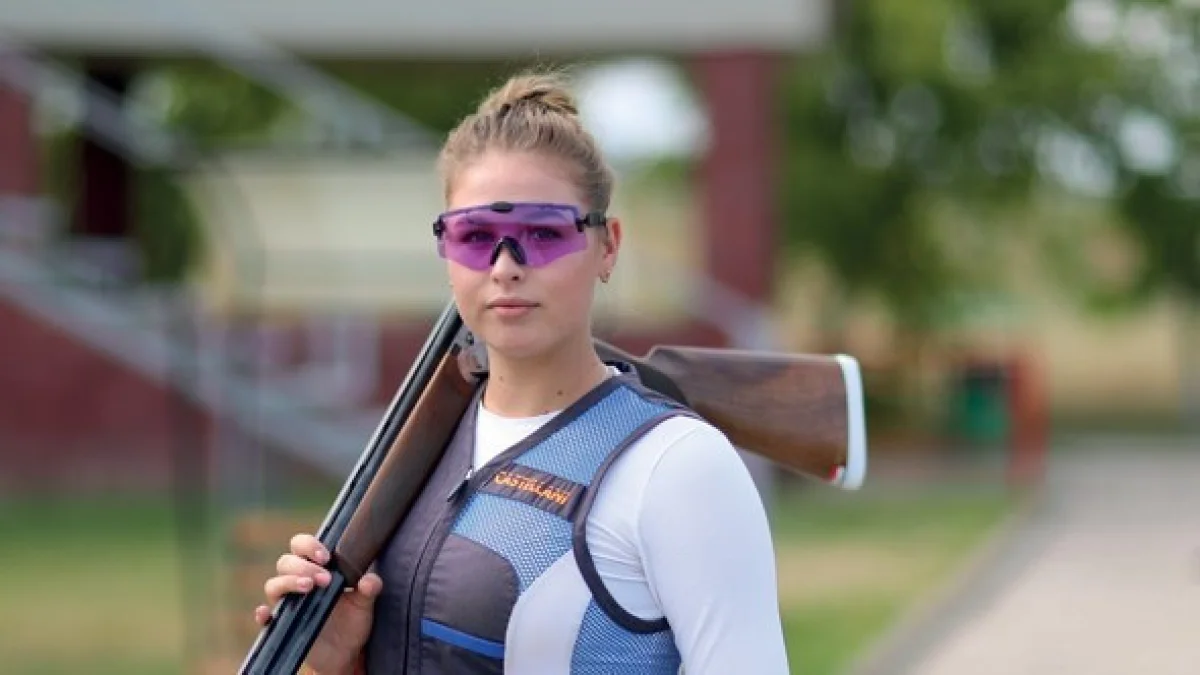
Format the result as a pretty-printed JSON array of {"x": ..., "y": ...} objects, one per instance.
[{"x": 579, "y": 522}]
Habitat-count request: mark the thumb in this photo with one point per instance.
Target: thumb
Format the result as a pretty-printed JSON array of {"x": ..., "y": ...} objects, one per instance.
[{"x": 369, "y": 587}]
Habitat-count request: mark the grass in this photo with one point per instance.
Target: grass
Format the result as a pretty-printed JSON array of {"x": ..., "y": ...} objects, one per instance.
[
  {"x": 97, "y": 586},
  {"x": 850, "y": 564},
  {"x": 90, "y": 588}
]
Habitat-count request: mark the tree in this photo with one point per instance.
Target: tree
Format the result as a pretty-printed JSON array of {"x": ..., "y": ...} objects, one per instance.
[
  {"x": 972, "y": 108},
  {"x": 1156, "y": 163}
]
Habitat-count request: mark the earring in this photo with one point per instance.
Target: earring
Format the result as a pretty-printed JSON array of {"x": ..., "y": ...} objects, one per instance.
[{"x": 604, "y": 276}]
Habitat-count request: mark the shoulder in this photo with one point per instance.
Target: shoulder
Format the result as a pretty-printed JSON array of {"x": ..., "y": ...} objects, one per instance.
[
  {"x": 694, "y": 458},
  {"x": 672, "y": 457},
  {"x": 641, "y": 459},
  {"x": 688, "y": 436},
  {"x": 681, "y": 473},
  {"x": 681, "y": 427},
  {"x": 676, "y": 456}
]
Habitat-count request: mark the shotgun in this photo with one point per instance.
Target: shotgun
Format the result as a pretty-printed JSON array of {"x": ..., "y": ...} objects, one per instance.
[{"x": 805, "y": 413}]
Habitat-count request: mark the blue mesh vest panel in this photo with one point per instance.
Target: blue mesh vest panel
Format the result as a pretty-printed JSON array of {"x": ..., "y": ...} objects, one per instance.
[
  {"x": 604, "y": 648},
  {"x": 516, "y": 518}
]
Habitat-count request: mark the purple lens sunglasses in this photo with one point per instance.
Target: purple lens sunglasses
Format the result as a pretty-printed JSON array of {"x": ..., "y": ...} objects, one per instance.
[{"x": 535, "y": 233}]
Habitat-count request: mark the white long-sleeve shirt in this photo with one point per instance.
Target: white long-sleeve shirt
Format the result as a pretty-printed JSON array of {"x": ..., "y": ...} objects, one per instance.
[{"x": 678, "y": 530}]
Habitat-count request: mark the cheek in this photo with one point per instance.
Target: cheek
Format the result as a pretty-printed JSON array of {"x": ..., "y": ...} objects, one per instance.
[
  {"x": 464, "y": 285},
  {"x": 456, "y": 277},
  {"x": 573, "y": 286}
]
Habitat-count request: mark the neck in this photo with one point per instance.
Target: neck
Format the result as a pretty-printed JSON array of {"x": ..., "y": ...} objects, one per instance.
[{"x": 531, "y": 387}]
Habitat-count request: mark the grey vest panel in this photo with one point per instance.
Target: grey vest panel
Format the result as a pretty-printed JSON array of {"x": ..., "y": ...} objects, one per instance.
[{"x": 396, "y": 622}]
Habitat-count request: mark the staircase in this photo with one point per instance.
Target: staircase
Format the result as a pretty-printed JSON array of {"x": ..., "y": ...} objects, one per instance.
[{"x": 160, "y": 339}]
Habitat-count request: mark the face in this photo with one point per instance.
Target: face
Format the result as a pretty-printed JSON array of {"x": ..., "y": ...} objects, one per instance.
[{"x": 523, "y": 311}]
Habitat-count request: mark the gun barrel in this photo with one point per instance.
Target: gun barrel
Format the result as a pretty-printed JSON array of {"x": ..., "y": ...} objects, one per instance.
[{"x": 297, "y": 620}]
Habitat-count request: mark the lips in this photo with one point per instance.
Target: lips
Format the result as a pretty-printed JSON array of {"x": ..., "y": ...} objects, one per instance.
[{"x": 510, "y": 303}]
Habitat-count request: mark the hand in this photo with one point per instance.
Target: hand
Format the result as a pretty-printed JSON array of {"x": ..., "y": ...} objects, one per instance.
[{"x": 345, "y": 633}]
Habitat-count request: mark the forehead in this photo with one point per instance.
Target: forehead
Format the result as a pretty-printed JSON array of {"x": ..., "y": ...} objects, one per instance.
[{"x": 512, "y": 177}]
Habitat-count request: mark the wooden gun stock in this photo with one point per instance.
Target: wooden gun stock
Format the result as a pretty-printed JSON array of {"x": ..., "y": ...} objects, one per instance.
[{"x": 801, "y": 411}]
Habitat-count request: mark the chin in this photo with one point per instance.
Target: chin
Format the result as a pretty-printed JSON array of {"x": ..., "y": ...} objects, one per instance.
[
  {"x": 518, "y": 343},
  {"x": 518, "y": 350}
]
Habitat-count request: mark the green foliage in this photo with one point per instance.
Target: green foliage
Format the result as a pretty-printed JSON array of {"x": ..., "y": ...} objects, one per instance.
[
  {"x": 1166, "y": 224},
  {"x": 168, "y": 231},
  {"x": 213, "y": 106},
  {"x": 974, "y": 105}
]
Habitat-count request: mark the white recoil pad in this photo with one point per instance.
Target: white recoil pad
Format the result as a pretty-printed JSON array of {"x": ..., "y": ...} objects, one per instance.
[{"x": 852, "y": 475}]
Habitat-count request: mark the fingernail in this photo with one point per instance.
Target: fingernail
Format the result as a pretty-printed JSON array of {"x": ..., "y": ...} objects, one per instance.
[
  {"x": 323, "y": 577},
  {"x": 322, "y": 556}
]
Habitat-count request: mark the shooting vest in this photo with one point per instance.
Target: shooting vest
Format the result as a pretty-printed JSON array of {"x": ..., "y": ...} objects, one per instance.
[{"x": 474, "y": 543}]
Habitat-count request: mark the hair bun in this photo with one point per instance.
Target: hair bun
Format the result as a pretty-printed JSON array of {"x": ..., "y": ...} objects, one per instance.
[{"x": 546, "y": 90}]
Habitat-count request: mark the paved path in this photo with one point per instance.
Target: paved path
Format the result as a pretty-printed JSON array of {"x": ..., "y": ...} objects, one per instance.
[{"x": 1103, "y": 580}]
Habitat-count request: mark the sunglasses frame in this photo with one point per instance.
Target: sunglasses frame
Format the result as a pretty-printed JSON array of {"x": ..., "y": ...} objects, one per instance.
[{"x": 590, "y": 219}]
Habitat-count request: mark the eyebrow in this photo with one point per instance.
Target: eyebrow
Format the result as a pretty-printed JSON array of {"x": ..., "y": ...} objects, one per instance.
[
  {"x": 541, "y": 215},
  {"x": 470, "y": 219}
]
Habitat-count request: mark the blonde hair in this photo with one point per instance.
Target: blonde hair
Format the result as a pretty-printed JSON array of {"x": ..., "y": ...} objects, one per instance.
[{"x": 532, "y": 112}]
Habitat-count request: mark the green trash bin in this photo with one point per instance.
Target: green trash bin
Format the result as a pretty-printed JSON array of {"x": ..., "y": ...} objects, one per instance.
[{"x": 981, "y": 417}]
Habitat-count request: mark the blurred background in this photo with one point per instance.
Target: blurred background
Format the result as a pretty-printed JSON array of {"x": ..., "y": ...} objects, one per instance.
[{"x": 216, "y": 267}]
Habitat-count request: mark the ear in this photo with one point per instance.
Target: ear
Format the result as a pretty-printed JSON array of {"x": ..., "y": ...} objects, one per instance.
[{"x": 611, "y": 244}]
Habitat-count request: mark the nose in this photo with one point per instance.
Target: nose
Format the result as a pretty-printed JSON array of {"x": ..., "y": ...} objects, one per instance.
[
  {"x": 514, "y": 249},
  {"x": 508, "y": 260}
]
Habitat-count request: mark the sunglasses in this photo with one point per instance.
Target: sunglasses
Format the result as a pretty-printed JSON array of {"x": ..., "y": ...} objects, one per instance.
[{"x": 534, "y": 233}]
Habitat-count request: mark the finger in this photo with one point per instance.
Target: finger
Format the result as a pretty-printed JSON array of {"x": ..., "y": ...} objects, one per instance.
[
  {"x": 262, "y": 614},
  {"x": 308, "y": 546},
  {"x": 366, "y": 591},
  {"x": 370, "y": 585},
  {"x": 276, "y": 587},
  {"x": 294, "y": 565}
]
